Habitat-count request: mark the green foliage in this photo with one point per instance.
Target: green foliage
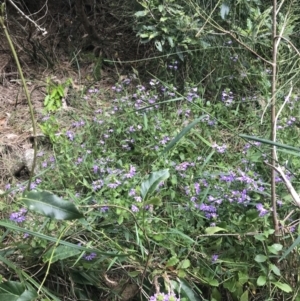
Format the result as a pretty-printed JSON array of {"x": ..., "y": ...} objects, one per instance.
[
  {"x": 54, "y": 95},
  {"x": 156, "y": 188}
]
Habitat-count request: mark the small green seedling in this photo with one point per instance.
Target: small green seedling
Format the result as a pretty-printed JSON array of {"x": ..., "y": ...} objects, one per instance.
[{"x": 55, "y": 94}]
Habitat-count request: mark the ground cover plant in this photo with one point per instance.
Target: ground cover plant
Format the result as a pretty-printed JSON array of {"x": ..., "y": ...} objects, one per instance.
[
  {"x": 161, "y": 188},
  {"x": 198, "y": 226}
]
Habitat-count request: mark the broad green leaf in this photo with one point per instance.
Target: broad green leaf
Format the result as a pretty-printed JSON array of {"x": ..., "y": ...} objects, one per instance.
[
  {"x": 149, "y": 185},
  {"x": 183, "y": 288},
  {"x": 181, "y": 273},
  {"x": 275, "y": 269},
  {"x": 224, "y": 10},
  {"x": 244, "y": 296},
  {"x": 213, "y": 230},
  {"x": 275, "y": 248},
  {"x": 243, "y": 278},
  {"x": 283, "y": 286},
  {"x": 60, "y": 253},
  {"x": 213, "y": 282},
  {"x": 16, "y": 291},
  {"x": 260, "y": 258},
  {"x": 182, "y": 133},
  {"x": 51, "y": 205},
  {"x": 184, "y": 264},
  {"x": 154, "y": 201},
  {"x": 261, "y": 280},
  {"x": 172, "y": 261}
]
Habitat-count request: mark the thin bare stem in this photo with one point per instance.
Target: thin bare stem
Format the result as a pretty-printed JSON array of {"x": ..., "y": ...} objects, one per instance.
[
  {"x": 14, "y": 53},
  {"x": 273, "y": 119}
]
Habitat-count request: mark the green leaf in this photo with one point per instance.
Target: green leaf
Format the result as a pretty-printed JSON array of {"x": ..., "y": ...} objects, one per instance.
[
  {"x": 158, "y": 46},
  {"x": 266, "y": 141},
  {"x": 60, "y": 253},
  {"x": 172, "y": 261},
  {"x": 181, "y": 273},
  {"x": 243, "y": 278},
  {"x": 283, "y": 286},
  {"x": 184, "y": 264},
  {"x": 16, "y": 291},
  {"x": 261, "y": 280},
  {"x": 212, "y": 282},
  {"x": 213, "y": 230},
  {"x": 183, "y": 288},
  {"x": 275, "y": 248},
  {"x": 145, "y": 122},
  {"x": 152, "y": 182},
  {"x": 51, "y": 205},
  {"x": 224, "y": 10},
  {"x": 289, "y": 250},
  {"x": 275, "y": 269},
  {"x": 154, "y": 201},
  {"x": 244, "y": 296},
  {"x": 260, "y": 258},
  {"x": 182, "y": 133},
  {"x": 141, "y": 13}
]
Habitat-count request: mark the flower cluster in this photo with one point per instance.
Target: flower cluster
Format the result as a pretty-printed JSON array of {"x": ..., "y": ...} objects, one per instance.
[
  {"x": 164, "y": 297},
  {"x": 19, "y": 216}
]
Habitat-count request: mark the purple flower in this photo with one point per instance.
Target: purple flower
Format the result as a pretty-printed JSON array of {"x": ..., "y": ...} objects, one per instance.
[
  {"x": 70, "y": 135},
  {"x": 138, "y": 199},
  {"x": 131, "y": 172},
  {"x": 104, "y": 209},
  {"x": 164, "y": 297},
  {"x": 262, "y": 211},
  {"x": 134, "y": 208},
  {"x": 214, "y": 258},
  {"x": 114, "y": 185},
  {"x": 18, "y": 217},
  {"x": 132, "y": 192},
  {"x": 182, "y": 166},
  {"x": 95, "y": 168},
  {"x": 90, "y": 256}
]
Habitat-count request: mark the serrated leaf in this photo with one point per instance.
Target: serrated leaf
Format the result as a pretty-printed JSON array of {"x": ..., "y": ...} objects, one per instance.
[
  {"x": 261, "y": 280},
  {"x": 182, "y": 133},
  {"x": 213, "y": 230},
  {"x": 172, "y": 261},
  {"x": 260, "y": 258},
  {"x": 16, "y": 291},
  {"x": 152, "y": 182},
  {"x": 51, "y": 205},
  {"x": 283, "y": 286},
  {"x": 60, "y": 253}
]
